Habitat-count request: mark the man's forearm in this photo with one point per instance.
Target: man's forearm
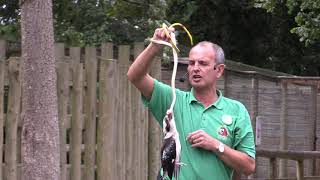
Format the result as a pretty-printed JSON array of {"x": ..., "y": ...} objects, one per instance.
[
  {"x": 239, "y": 161},
  {"x": 141, "y": 65}
]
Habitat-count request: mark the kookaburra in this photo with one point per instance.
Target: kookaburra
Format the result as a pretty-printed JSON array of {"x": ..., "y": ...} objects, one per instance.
[{"x": 171, "y": 148}]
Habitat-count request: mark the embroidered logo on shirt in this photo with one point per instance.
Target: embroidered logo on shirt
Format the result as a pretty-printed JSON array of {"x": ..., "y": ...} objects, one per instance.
[{"x": 223, "y": 132}]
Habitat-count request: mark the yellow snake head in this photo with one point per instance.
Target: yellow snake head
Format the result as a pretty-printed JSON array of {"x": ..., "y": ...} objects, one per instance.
[{"x": 166, "y": 31}]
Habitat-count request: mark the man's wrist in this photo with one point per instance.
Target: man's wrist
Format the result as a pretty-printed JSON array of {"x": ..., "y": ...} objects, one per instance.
[
  {"x": 220, "y": 148},
  {"x": 153, "y": 49},
  {"x": 156, "y": 46}
]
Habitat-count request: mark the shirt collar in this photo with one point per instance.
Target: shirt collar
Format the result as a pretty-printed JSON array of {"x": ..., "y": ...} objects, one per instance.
[{"x": 218, "y": 104}]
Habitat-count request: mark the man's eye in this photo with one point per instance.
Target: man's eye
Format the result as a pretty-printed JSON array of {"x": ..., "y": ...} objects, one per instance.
[
  {"x": 203, "y": 63},
  {"x": 191, "y": 62}
]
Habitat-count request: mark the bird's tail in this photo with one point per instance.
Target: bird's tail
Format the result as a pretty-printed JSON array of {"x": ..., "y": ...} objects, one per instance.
[
  {"x": 176, "y": 171},
  {"x": 162, "y": 175},
  {"x": 159, "y": 177}
]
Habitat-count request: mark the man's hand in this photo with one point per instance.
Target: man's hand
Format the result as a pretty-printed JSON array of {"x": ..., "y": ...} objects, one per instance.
[
  {"x": 201, "y": 139},
  {"x": 160, "y": 34},
  {"x": 239, "y": 161}
]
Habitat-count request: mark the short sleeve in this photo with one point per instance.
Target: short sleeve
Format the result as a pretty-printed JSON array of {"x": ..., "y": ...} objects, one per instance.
[
  {"x": 244, "y": 137},
  {"x": 160, "y": 100}
]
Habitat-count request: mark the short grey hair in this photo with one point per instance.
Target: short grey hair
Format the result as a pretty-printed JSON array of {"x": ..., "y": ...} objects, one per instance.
[{"x": 219, "y": 53}]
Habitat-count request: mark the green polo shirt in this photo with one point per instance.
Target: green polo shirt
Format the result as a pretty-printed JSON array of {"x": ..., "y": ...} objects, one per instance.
[{"x": 226, "y": 120}]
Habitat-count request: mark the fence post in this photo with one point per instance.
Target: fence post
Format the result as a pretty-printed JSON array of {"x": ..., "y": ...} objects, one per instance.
[
  {"x": 136, "y": 118},
  {"x": 254, "y": 100},
  {"x": 155, "y": 132},
  {"x": 75, "y": 54},
  {"x": 90, "y": 112},
  {"x": 317, "y": 145},
  {"x": 59, "y": 52},
  {"x": 63, "y": 77},
  {"x": 2, "y": 49},
  {"x": 254, "y": 104},
  {"x": 144, "y": 126},
  {"x": 76, "y": 122},
  {"x": 124, "y": 116},
  {"x": 106, "y": 140},
  {"x": 129, "y": 127},
  {"x": 13, "y": 116},
  {"x": 107, "y": 112},
  {"x": 273, "y": 168},
  {"x": 283, "y": 128},
  {"x": 2, "y": 65},
  {"x": 313, "y": 133},
  {"x": 299, "y": 169}
]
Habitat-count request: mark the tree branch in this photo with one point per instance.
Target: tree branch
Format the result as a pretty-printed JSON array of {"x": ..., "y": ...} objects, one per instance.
[{"x": 133, "y": 2}]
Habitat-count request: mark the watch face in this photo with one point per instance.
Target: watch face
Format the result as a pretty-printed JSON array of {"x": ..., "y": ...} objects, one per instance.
[{"x": 221, "y": 147}]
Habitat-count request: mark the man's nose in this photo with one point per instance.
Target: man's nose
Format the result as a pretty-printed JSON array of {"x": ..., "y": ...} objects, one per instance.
[{"x": 196, "y": 66}]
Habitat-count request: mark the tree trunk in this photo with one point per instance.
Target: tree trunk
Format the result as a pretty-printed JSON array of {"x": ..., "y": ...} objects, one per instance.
[{"x": 40, "y": 129}]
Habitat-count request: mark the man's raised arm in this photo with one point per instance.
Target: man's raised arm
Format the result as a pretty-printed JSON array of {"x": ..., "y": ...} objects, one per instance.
[{"x": 138, "y": 71}]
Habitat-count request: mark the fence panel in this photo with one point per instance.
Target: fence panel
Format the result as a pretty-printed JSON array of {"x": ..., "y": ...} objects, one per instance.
[{"x": 113, "y": 144}]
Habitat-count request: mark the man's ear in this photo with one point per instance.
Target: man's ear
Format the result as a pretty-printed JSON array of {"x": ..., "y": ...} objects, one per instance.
[{"x": 220, "y": 70}]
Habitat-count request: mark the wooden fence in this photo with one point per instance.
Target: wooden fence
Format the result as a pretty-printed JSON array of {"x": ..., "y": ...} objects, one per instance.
[{"x": 105, "y": 132}]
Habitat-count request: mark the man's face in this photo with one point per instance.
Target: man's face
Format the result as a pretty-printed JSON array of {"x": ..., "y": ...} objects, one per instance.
[{"x": 202, "y": 69}]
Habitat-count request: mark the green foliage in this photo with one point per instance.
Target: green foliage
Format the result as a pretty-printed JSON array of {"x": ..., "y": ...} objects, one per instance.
[
  {"x": 82, "y": 22},
  {"x": 9, "y": 10},
  {"x": 69, "y": 35},
  {"x": 248, "y": 34},
  {"x": 306, "y": 13},
  {"x": 9, "y": 28},
  {"x": 93, "y": 22},
  {"x": 10, "y": 32},
  {"x": 269, "y": 5},
  {"x": 245, "y": 30}
]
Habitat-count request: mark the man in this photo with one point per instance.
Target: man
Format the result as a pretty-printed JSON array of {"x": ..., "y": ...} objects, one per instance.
[{"x": 215, "y": 132}]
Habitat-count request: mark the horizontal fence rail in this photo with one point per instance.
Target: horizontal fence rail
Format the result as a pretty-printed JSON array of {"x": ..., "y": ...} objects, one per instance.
[{"x": 298, "y": 156}]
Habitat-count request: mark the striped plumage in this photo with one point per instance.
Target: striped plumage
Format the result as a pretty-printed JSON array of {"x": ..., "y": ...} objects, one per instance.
[{"x": 171, "y": 148}]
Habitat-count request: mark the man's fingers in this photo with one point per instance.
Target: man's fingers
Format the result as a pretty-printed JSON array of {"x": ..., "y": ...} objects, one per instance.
[
  {"x": 158, "y": 33},
  {"x": 195, "y": 133},
  {"x": 199, "y": 144},
  {"x": 162, "y": 34},
  {"x": 171, "y": 29},
  {"x": 198, "y": 140}
]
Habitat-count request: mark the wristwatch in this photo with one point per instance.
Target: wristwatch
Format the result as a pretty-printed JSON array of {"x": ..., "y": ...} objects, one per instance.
[{"x": 221, "y": 148}]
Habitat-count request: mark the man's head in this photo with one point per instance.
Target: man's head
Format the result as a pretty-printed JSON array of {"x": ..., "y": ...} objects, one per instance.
[{"x": 206, "y": 65}]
